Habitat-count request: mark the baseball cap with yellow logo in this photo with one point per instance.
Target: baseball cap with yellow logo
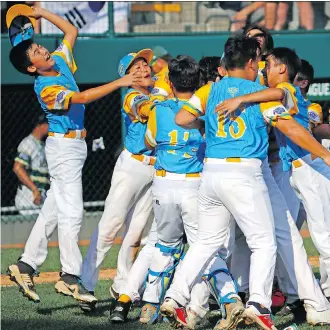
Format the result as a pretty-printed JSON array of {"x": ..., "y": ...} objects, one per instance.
[{"x": 128, "y": 59}]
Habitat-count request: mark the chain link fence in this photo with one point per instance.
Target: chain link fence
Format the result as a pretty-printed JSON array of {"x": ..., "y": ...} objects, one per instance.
[{"x": 20, "y": 113}]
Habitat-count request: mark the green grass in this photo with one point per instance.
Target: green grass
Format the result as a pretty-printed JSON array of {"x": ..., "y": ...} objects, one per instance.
[
  {"x": 62, "y": 313},
  {"x": 59, "y": 312}
]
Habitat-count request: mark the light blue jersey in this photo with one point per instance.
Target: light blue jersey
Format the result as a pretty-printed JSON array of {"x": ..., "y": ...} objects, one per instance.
[
  {"x": 135, "y": 122},
  {"x": 178, "y": 150},
  {"x": 54, "y": 93},
  {"x": 289, "y": 151},
  {"x": 244, "y": 134}
]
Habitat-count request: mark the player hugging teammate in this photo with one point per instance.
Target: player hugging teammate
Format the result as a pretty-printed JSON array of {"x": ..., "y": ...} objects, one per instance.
[{"x": 197, "y": 166}]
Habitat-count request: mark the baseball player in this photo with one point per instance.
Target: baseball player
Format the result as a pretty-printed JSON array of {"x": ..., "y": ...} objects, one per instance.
[
  {"x": 210, "y": 69},
  {"x": 129, "y": 200},
  {"x": 218, "y": 182},
  {"x": 31, "y": 169},
  {"x": 316, "y": 305},
  {"x": 310, "y": 176},
  {"x": 66, "y": 151},
  {"x": 180, "y": 154},
  {"x": 183, "y": 76}
]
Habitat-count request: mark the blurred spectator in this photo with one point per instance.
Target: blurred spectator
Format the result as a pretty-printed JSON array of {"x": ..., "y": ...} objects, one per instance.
[
  {"x": 251, "y": 12},
  {"x": 276, "y": 13},
  {"x": 160, "y": 59},
  {"x": 121, "y": 16},
  {"x": 87, "y": 16},
  {"x": 31, "y": 169}
]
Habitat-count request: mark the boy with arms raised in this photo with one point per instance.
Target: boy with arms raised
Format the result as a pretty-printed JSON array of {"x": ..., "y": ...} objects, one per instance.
[{"x": 66, "y": 151}]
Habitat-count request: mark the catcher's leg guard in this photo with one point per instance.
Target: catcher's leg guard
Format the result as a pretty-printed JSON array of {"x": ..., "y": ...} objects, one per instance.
[
  {"x": 216, "y": 286},
  {"x": 165, "y": 277}
]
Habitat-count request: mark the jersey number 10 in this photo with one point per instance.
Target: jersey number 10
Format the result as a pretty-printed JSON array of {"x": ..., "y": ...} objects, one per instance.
[{"x": 235, "y": 132}]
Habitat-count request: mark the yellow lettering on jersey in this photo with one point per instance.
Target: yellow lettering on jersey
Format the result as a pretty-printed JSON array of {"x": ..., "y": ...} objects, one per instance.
[
  {"x": 241, "y": 127},
  {"x": 221, "y": 126},
  {"x": 174, "y": 137},
  {"x": 171, "y": 152},
  {"x": 186, "y": 136},
  {"x": 186, "y": 155}
]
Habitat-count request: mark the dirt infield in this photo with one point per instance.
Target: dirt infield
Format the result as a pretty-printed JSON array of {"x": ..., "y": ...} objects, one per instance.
[{"x": 53, "y": 277}]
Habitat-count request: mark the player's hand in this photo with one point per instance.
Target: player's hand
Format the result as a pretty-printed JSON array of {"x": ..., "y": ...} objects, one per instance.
[
  {"x": 228, "y": 106},
  {"x": 133, "y": 78},
  {"x": 36, "y": 197},
  {"x": 37, "y": 12},
  {"x": 327, "y": 160}
]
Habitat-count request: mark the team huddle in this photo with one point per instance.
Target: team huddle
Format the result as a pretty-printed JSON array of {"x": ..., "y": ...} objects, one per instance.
[{"x": 218, "y": 156}]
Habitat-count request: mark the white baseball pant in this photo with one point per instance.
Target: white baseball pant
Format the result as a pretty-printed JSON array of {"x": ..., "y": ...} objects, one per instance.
[
  {"x": 63, "y": 206},
  {"x": 300, "y": 281},
  {"x": 137, "y": 276},
  {"x": 238, "y": 189},
  {"x": 282, "y": 178},
  {"x": 175, "y": 205},
  {"x": 129, "y": 200},
  {"x": 311, "y": 181}
]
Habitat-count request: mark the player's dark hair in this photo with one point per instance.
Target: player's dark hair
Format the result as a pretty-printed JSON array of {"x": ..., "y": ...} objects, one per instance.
[
  {"x": 239, "y": 50},
  {"x": 19, "y": 57},
  {"x": 306, "y": 72},
  {"x": 269, "y": 42},
  {"x": 209, "y": 68},
  {"x": 289, "y": 58},
  {"x": 184, "y": 73}
]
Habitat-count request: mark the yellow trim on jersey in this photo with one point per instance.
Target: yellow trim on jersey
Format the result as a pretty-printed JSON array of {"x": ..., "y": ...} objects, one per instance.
[
  {"x": 162, "y": 88},
  {"x": 273, "y": 111},
  {"x": 151, "y": 132},
  {"x": 196, "y": 105},
  {"x": 49, "y": 96},
  {"x": 261, "y": 65},
  {"x": 316, "y": 109},
  {"x": 67, "y": 56},
  {"x": 188, "y": 107},
  {"x": 138, "y": 109},
  {"x": 290, "y": 99}
]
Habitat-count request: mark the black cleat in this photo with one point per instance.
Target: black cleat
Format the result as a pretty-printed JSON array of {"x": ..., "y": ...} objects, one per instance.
[
  {"x": 296, "y": 309},
  {"x": 119, "y": 311}
]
